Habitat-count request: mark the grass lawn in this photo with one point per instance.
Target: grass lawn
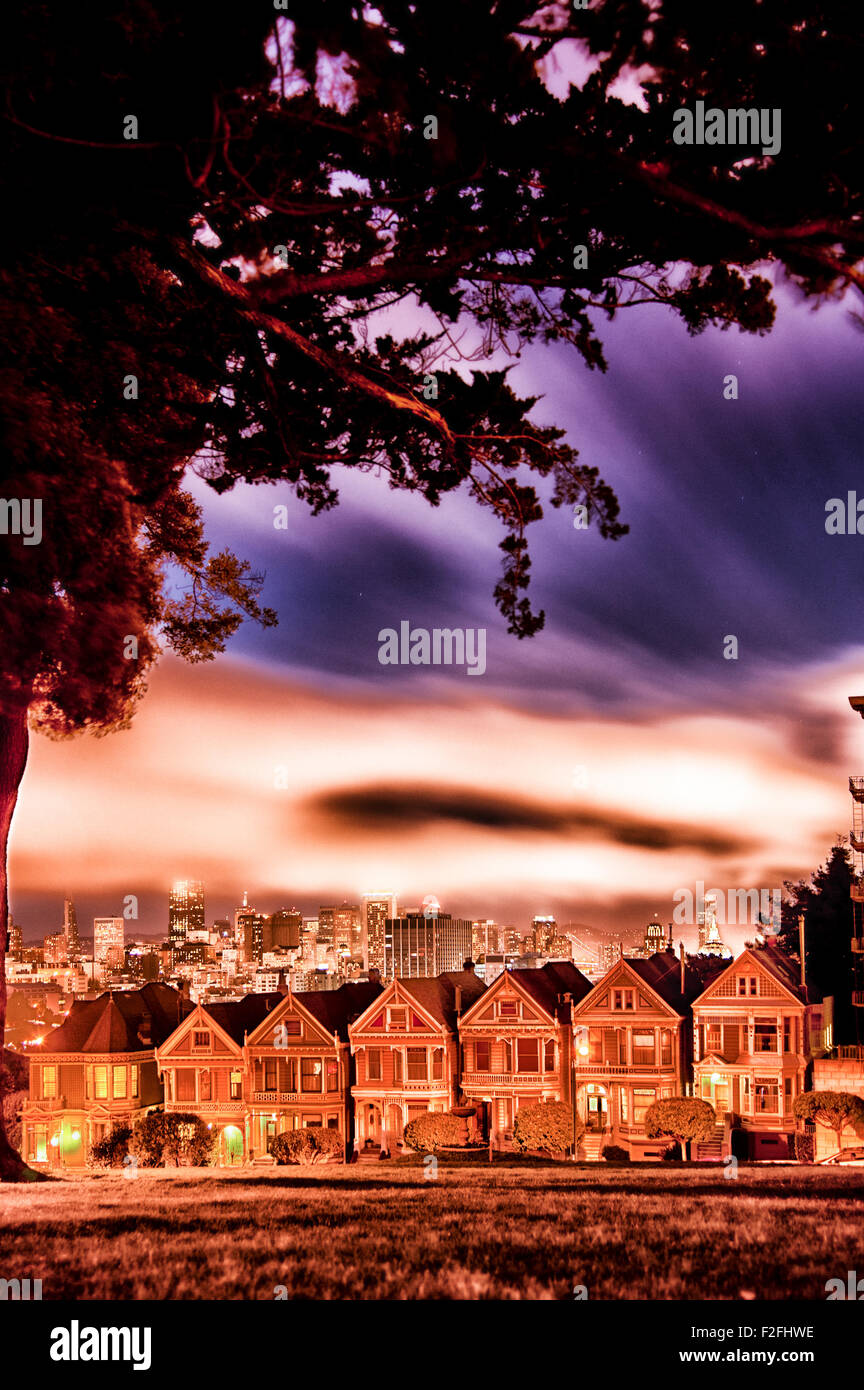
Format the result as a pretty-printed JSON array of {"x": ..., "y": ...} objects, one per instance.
[{"x": 512, "y": 1230}]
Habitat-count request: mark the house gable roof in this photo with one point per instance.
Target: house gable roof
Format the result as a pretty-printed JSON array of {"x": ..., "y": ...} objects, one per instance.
[
  {"x": 114, "y": 1021},
  {"x": 544, "y": 987},
  {"x": 769, "y": 959}
]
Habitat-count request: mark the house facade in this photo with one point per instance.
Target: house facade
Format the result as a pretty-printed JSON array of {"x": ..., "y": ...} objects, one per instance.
[
  {"x": 202, "y": 1069},
  {"x": 631, "y": 1047},
  {"x": 97, "y": 1071},
  {"x": 517, "y": 1044},
  {"x": 406, "y": 1053},
  {"x": 752, "y": 1031},
  {"x": 298, "y": 1065}
]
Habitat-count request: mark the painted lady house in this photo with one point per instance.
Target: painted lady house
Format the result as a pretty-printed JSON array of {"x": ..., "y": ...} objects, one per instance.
[
  {"x": 632, "y": 1047},
  {"x": 96, "y": 1071},
  {"x": 298, "y": 1064},
  {"x": 202, "y": 1066},
  {"x": 406, "y": 1051},
  {"x": 517, "y": 1044},
  {"x": 754, "y": 1035}
]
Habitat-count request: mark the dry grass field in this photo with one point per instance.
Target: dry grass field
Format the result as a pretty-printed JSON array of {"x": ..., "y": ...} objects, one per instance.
[{"x": 507, "y": 1232}]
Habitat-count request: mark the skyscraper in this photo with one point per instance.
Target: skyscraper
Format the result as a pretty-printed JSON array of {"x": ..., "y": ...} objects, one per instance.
[
  {"x": 543, "y": 930},
  {"x": 425, "y": 944},
  {"x": 70, "y": 930},
  {"x": 108, "y": 941},
  {"x": 375, "y": 908},
  {"x": 185, "y": 909},
  {"x": 283, "y": 930}
]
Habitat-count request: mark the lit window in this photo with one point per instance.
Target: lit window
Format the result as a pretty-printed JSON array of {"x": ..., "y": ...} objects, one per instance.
[
  {"x": 641, "y": 1101},
  {"x": 236, "y": 1085},
  {"x": 332, "y": 1074},
  {"x": 417, "y": 1064},
  {"x": 134, "y": 1081},
  {"x": 39, "y": 1143},
  {"x": 311, "y": 1074},
  {"x": 120, "y": 1083},
  {"x": 643, "y": 1049},
  {"x": 49, "y": 1083},
  {"x": 100, "y": 1083}
]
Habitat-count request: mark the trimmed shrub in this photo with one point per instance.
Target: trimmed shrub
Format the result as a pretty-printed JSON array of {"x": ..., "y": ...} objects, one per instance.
[
  {"x": 110, "y": 1151},
  {"x": 547, "y": 1126},
  {"x": 178, "y": 1140},
  {"x": 430, "y": 1132},
  {"x": 804, "y": 1147},
  {"x": 304, "y": 1146},
  {"x": 613, "y": 1153}
]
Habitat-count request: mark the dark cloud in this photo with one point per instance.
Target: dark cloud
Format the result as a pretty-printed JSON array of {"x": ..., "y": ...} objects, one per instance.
[{"x": 399, "y": 807}]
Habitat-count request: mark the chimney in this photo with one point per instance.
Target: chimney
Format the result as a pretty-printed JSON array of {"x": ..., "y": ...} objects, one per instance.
[
  {"x": 801, "y": 952},
  {"x": 282, "y": 988},
  {"x": 374, "y": 975},
  {"x": 671, "y": 943},
  {"x": 145, "y": 1030},
  {"x": 458, "y": 1000},
  {"x": 683, "y": 965}
]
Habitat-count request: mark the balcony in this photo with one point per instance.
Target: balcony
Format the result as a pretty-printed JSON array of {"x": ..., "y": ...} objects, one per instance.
[
  {"x": 204, "y": 1107},
  {"x": 623, "y": 1069},
  {"x": 856, "y": 787},
  {"x": 279, "y": 1097},
  {"x": 508, "y": 1078},
  {"x": 855, "y": 841}
]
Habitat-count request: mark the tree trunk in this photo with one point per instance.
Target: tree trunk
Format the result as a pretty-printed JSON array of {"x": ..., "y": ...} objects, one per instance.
[{"x": 13, "y": 757}]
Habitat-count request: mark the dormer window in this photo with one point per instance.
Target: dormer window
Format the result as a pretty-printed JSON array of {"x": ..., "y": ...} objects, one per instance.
[
  {"x": 747, "y": 986},
  {"x": 398, "y": 1019},
  {"x": 200, "y": 1039},
  {"x": 622, "y": 999},
  {"x": 508, "y": 1008}
]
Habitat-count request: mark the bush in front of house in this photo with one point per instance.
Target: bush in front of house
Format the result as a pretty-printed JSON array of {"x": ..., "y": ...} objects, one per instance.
[
  {"x": 547, "y": 1127},
  {"x": 837, "y": 1110},
  {"x": 111, "y": 1150},
  {"x": 614, "y": 1153},
  {"x": 314, "y": 1145},
  {"x": 433, "y": 1131},
  {"x": 176, "y": 1140},
  {"x": 804, "y": 1147}
]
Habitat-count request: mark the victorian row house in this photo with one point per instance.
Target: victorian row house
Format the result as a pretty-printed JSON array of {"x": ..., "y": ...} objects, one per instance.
[
  {"x": 97, "y": 1071},
  {"x": 407, "y": 1055},
  {"x": 365, "y": 1059}
]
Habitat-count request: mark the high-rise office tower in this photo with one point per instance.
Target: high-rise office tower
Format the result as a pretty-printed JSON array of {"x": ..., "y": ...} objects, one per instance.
[
  {"x": 70, "y": 930},
  {"x": 15, "y": 937},
  {"x": 249, "y": 927},
  {"x": 346, "y": 929},
  {"x": 185, "y": 909},
  {"x": 425, "y": 944},
  {"x": 283, "y": 930},
  {"x": 108, "y": 941},
  {"x": 485, "y": 938},
  {"x": 326, "y": 915},
  {"x": 543, "y": 929},
  {"x": 375, "y": 908}
]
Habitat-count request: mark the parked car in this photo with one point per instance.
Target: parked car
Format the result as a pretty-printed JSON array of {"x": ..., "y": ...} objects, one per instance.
[{"x": 848, "y": 1157}]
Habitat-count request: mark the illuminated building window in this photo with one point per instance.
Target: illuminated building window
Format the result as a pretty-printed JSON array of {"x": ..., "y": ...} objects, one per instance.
[
  {"x": 100, "y": 1083},
  {"x": 49, "y": 1083},
  {"x": 120, "y": 1082},
  {"x": 311, "y": 1074},
  {"x": 236, "y": 1085},
  {"x": 135, "y": 1081}
]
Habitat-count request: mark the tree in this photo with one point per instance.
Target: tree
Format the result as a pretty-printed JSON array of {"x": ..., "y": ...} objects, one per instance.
[
  {"x": 680, "y": 1117},
  {"x": 834, "y": 1109},
  {"x": 547, "y": 1126},
  {"x": 178, "y": 1139},
  {"x": 214, "y": 224},
  {"x": 314, "y": 1145},
  {"x": 433, "y": 1131},
  {"x": 828, "y": 929}
]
